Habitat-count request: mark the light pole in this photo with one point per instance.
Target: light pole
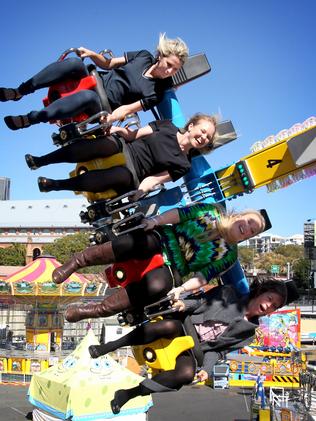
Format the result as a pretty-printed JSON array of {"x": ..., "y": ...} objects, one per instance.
[
  {"x": 288, "y": 270},
  {"x": 290, "y": 265}
]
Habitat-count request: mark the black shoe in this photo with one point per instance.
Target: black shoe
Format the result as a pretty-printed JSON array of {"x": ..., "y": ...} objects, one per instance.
[
  {"x": 46, "y": 184},
  {"x": 115, "y": 406},
  {"x": 30, "y": 162},
  {"x": 17, "y": 122},
  {"x": 94, "y": 351},
  {"x": 9, "y": 94}
]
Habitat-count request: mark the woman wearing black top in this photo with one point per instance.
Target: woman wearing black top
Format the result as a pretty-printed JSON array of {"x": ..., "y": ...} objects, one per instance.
[
  {"x": 133, "y": 82},
  {"x": 222, "y": 321},
  {"x": 159, "y": 153}
]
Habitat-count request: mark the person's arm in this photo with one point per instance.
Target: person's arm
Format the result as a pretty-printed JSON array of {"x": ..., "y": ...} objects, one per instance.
[
  {"x": 100, "y": 60},
  {"x": 169, "y": 217},
  {"x": 130, "y": 135},
  {"x": 154, "y": 180},
  {"x": 202, "y": 375},
  {"x": 121, "y": 112},
  {"x": 192, "y": 284},
  {"x": 209, "y": 360},
  {"x": 149, "y": 183}
]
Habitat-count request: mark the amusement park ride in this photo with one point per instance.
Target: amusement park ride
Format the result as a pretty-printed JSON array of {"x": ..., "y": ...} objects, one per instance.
[{"x": 275, "y": 162}]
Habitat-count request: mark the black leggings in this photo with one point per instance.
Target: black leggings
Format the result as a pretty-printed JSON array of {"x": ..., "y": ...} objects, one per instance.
[
  {"x": 117, "y": 178},
  {"x": 85, "y": 101},
  {"x": 184, "y": 371},
  {"x": 152, "y": 287},
  {"x": 81, "y": 150},
  {"x": 139, "y": 245}
]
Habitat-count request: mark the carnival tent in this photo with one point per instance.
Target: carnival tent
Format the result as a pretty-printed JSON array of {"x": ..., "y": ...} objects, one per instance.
[
  {"x": 81, "y": 388},
  {"x": 34, "y": 283}
]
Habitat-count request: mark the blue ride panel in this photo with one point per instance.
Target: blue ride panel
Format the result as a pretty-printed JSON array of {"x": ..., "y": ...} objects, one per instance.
[
  {"x": 169, "y": 109},
  {"x": 235, "y": 276},
  {"x": 163, "y": 201},
  {"x": 201, "y": 182}
]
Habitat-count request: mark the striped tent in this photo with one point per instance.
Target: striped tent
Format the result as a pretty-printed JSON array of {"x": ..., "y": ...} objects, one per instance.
[{"x": 34, "y": 282}]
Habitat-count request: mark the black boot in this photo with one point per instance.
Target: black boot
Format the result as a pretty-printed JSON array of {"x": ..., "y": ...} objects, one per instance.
[
  {"x": 16, "y": 122},
  {"x": 10, "y": 94},
  {"x": 111, "y": 305},
  {"x": 47, "y": 184},
  {"x": 122, "y": 396},
  {"x": 31, "y": 161},
  {"x": 95, "y": 255}
]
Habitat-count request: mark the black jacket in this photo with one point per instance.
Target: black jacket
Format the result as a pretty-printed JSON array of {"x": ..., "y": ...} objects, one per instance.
[{"x": 224, "y": 305}]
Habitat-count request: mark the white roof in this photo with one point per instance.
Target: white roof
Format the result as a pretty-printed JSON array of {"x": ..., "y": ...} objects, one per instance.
[{"x": 42, "y": 213}]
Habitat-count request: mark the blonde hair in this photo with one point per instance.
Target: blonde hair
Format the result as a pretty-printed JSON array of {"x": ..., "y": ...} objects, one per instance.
[
  {"x": 167, "y": 47},
  {"x": 224, "y": 222},
  {"x": 195, "y": 119}
]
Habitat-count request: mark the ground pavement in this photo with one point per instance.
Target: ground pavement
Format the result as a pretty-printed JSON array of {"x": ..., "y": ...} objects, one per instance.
[{"x": 192, "y": 402}]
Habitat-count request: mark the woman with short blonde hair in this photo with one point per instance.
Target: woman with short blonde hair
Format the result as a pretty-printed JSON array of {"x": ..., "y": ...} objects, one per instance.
[
  {"x": 177, "y": 47},
  {"x": 134, "y": 82}
]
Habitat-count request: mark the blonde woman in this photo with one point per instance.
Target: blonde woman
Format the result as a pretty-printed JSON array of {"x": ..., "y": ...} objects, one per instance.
[
  {"x": 133, "y": 82},
  {"x": 200, "y": 239}
]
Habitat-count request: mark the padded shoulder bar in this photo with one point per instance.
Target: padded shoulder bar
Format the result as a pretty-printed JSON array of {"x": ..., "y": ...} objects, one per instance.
[
  {"x": 195, "y": 66},
  {"x": 100, "y": 89},
  {"x": 226, "y": 132}
]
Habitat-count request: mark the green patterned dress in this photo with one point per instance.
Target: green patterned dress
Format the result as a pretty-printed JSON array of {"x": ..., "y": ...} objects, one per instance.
[{"x": 187, "y": 252}]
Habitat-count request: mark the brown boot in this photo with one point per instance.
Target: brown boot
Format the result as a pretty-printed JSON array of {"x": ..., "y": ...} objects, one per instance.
[
  {"x": 111, "y": 305},
  {"x": 95, "y": 255}
]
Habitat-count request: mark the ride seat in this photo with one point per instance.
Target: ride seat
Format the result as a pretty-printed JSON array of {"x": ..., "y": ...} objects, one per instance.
[
  {"x": 124, "y": 273},
  {"x": 120, "y": 159},
  {"x": 161, "y": 354},
  {"x": 69, "y": 87},
  {"x": 98, "y": 164}
]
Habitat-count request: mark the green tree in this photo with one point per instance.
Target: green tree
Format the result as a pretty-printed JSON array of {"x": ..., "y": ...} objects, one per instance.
[
  {"x": 301, "y": 273},
  {"x": 291, "y": 251},
  {"x": 264, "y": 261},
  {"x": 64, "y": 248},
  {"x": 246, "y": 256},
  {"x": 13, "y": 255}
]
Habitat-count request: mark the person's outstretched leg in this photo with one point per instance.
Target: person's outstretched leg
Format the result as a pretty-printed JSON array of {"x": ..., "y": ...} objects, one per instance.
[
  {"x": 143, "y": 334},
  {"x": 101, "y": 254},
  {"x": 136, "y": 245},
  {"x": 95, "y": 181},
  {"x": 170, "y": 380},
  {"x": 84, "y": 101},
  {"x": 78, "y": 151},
  {"x": 71, "y": 68},
  {"x": 111, "y": 305}
]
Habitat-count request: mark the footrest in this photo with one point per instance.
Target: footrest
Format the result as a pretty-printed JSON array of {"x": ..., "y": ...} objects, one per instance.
[
  {"x": 131, "y": 223},
  {"x": 159, "y": 308}
]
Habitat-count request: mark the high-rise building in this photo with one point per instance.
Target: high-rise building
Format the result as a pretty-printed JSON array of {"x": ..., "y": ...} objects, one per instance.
[
  {"x": 310, "y": 248},
  {"x": 4, "y": 188}
]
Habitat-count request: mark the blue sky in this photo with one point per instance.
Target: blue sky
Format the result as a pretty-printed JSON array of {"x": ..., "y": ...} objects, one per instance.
[{"x": 263, "y": 75}]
